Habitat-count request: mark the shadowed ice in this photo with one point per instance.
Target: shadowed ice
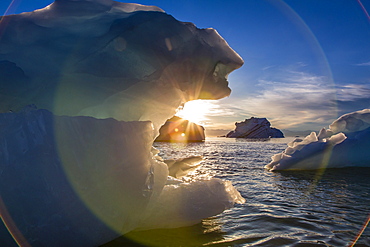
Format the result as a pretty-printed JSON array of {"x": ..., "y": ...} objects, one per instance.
[{"x": 80, "y": 170}]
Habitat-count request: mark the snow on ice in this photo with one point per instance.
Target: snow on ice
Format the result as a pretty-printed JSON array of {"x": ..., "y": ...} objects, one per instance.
[{"x": 344, "y": 144}]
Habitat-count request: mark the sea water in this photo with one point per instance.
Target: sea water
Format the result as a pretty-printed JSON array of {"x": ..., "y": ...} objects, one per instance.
[{"x": 301, "y": 208}]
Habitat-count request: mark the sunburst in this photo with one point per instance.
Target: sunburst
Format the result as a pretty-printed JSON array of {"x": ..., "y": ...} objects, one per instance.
[{"x": 196, "y": 111}]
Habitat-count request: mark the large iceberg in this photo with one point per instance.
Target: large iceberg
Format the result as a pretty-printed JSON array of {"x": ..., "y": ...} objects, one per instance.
[
  {"x": 85, "y": 86},
  {"x": 345, "y": 144}
]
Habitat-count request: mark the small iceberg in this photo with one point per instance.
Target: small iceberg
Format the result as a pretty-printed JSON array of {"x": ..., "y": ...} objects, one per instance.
[
  {"x": 180, "y": 130},
  {"x": 344, "y": 144}
]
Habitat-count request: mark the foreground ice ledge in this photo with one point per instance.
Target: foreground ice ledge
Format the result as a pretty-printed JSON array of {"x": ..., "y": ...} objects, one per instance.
[
  {"x": 81, "y": 181},
  {"x": 344, "y": 144},
  {"x": 116, "y": 72}
]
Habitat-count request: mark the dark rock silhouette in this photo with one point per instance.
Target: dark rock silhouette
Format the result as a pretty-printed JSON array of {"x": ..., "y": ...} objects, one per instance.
[{"x": 180, "y": 130}]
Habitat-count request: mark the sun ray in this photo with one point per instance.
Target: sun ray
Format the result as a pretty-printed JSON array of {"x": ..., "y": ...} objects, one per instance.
[{"x": 196, "y": 111}]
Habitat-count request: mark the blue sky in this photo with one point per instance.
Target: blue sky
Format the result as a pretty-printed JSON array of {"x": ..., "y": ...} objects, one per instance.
[{"x": 306, "y": 61}]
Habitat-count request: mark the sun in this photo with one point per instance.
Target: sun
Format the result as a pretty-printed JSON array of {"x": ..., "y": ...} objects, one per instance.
[{"x": 195, "y": 111}]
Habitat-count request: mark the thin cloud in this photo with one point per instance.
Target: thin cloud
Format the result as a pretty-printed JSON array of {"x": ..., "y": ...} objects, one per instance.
[
  {"x": 294, "y": 100},
  {"x": 353, "y": 92},
  {"x": 363, "y": 64}
]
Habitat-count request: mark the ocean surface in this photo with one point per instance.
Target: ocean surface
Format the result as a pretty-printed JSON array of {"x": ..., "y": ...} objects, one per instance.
[{"x": 301, "y": 208}]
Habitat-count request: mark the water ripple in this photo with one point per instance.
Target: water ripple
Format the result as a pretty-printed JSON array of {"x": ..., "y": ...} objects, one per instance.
[{"x": 300, "y": 208}]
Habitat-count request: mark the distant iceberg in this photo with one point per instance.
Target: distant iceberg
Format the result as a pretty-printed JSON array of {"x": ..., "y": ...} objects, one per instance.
[
  {"x": 345, "y": 144},
  {"x": 255, "y": 128},
  {"x": 79, "y": 169},
  {"x": 177, "y": 129}
]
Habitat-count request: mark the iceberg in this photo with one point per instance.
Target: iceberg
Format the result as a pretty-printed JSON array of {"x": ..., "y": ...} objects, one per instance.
[
  {"x": 177, "y": 129},
  {"x": 255, "y": 128},
  {"x": 104, "y": 59},
  {"x": 85, "y": 86},
  {"x": 178, "y": 168},
  {"x": 344, "y": 144}
]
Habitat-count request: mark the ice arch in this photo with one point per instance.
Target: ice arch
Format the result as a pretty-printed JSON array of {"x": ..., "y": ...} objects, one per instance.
[
  {"x": 110, "y": 59},
  {"x": 84, "y": 87}
]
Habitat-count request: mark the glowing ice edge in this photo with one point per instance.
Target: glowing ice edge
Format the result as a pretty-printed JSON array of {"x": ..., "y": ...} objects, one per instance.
[
  {"x": 104, "y": 76},
  {"x": 344, "y": 144}
]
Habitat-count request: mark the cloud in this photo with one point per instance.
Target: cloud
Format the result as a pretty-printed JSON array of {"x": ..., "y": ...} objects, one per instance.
[
  {"x": 363, "y": 64},
  {"x": 353, "y": 97},
  {"x": 353, "y": 92},
  {"x": 295, "y": 100}
]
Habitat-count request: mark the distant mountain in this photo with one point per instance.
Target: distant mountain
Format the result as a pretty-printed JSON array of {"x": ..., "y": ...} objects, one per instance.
[
  {"x": 216, "y": 132},
  {"x": 302, "y": 133}
]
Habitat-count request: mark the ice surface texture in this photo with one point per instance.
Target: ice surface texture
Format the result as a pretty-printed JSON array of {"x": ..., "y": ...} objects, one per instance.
[
  {"x": 67, "y": 179},
  {"x": 105, "y": 76},
  {"x": 344, "y": 144},
  {"x": 109, "y": 59}
]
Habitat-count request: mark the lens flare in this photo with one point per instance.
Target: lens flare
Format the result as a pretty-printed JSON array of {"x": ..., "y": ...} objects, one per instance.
[
  {"x": 364, "y": 9},
  {"x": 11, "y": 226},
  {"x": 360, "y": 232}
]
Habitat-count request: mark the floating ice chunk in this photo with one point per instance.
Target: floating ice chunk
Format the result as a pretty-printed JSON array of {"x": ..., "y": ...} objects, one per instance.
[
  {"x": 185, "y": 203},
  {"x": 181, "y": 167},
  {"x": 330, "y": 148}
]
